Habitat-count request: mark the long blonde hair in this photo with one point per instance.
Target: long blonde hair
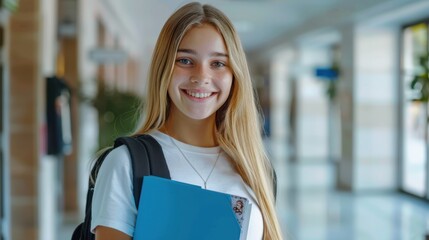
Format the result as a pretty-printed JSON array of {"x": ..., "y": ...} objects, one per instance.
[{"x": 237, "y": 121}]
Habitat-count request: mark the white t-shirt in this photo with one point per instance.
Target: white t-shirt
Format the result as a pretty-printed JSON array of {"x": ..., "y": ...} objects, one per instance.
[{"x": 113, "y": 200}]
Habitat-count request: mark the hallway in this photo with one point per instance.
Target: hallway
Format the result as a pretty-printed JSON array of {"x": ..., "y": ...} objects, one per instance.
[{"x": 343, "y": 87}]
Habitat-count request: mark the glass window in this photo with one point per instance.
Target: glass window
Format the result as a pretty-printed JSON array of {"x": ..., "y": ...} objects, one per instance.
[{"x": 414, "y": 158}]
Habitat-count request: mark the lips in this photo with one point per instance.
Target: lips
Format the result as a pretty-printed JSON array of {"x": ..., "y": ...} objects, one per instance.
[{"x": 200, "y": 95}]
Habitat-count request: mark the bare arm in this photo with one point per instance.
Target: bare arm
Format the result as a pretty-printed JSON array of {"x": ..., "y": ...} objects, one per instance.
[{"x": 106, "y": 233}]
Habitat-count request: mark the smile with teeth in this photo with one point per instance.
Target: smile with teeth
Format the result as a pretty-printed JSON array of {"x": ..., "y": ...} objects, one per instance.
[{"x": 198, "y": 95}]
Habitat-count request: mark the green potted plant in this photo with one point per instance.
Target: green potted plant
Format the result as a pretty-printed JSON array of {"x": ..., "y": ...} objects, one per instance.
[
  {"x": 420, "y": 82},
  {"x": 117, "y": 114}
]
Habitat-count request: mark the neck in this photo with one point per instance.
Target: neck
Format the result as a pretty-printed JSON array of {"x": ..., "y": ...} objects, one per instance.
[{"x": 194, "y": 132}]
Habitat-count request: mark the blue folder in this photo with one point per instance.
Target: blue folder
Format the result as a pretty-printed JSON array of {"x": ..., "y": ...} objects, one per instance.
[{"x": 173, "y": 210}]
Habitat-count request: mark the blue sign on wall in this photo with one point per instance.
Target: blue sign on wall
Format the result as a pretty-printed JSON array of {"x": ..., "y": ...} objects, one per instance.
[{"x": 326, "y": 73}]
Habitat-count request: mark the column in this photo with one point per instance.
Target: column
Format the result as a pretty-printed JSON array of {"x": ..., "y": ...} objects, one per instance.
[
  {"x": 69, "y": 47},
  {"x": 26, "y": 114},
  {"x": 345, "y": 168}
]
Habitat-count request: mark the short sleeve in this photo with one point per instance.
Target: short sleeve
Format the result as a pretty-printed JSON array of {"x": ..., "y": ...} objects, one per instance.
[{"x": 113, "y": 201}]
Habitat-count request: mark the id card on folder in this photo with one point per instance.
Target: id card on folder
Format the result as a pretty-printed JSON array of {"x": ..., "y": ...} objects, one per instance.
[
  {"x": 242, "y": 209},
  {"x": 174, "y": 210}
]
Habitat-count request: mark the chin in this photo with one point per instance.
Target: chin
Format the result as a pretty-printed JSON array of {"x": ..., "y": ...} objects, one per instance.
[{"x": 200, "y": 116}]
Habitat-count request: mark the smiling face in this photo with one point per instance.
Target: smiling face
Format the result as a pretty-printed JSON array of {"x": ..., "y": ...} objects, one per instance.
[{"x": 202, "y": 78}]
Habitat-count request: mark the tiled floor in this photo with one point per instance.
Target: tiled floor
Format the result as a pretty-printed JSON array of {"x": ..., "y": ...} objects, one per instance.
[
  {"x": 311, "y": 209},
  {"x": 323, "y": 214}
]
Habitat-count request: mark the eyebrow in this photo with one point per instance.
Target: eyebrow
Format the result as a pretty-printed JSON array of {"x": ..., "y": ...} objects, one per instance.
[{"x": 213, "y": 54}]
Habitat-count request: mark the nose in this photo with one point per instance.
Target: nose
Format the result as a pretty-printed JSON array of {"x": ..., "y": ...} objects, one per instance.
[{"x": 200, "y": 75}]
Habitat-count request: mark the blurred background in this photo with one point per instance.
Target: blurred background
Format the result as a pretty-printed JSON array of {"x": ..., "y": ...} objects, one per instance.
[{"x": 343, "y": 85}]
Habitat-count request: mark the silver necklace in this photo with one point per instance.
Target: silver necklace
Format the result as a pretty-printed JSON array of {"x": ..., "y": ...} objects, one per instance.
[{"x": 190, "y": 164}]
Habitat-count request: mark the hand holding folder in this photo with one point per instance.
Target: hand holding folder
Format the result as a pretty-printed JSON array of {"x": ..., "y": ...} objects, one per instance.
[{"x": 173, "y": 210}]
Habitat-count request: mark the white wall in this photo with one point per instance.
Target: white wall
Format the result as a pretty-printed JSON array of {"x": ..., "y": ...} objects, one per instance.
[
  {"x": 87, "y": 40},
  {"x": 375, "y": 109},
  {"x": 87, "y": 11},
  {"x": 312, "y": 108},
  {"x": 280, "y": 74},
  {"x": 49, "y": 220}
]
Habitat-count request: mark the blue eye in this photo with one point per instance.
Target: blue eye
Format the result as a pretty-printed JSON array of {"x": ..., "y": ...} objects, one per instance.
[
  {"x": 184, "y": 61},
  {"x": 218, "y": 64}
]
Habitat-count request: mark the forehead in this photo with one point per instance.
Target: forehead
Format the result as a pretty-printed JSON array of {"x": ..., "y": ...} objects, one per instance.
[{"x": 204, "y": 36}]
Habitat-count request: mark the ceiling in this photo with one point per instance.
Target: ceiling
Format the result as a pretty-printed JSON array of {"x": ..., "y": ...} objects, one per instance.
[
  {"x": 260, "y": 23},
  {"x": 257, "y": 21}
]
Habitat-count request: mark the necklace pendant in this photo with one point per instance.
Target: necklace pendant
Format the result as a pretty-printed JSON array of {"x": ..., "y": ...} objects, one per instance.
[{"x": 205, "y": 185}]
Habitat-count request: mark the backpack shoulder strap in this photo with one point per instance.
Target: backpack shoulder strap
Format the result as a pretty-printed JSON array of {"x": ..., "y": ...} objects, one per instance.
[
  {"x": 158, "y": 165},
  {"x": 147, "y": 159}
]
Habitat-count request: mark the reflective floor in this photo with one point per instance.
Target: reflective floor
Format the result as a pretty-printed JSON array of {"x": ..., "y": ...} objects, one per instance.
[
  {"x": 320, "y": 213},
  {"x": 311, "y": 209}
]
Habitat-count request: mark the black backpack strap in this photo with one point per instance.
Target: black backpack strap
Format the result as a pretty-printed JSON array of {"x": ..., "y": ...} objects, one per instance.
[
  {"x": 158, "y": 165},
  {"x": 139, "y": 163},
  {"x": 147, "y": 159}
]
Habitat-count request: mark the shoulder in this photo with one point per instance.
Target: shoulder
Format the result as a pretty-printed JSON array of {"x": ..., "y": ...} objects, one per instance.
[
  {"x": 163, "y": 140},
  {"x": 117, "y": 161},
  {"x": 118, "y": 152},
  {"x": 114, "y": 190},
  {"x": 160, "y": 137}
]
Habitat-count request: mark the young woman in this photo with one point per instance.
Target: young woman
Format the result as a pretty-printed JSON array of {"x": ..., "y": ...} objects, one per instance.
[{"x": 201, "y": 109}]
